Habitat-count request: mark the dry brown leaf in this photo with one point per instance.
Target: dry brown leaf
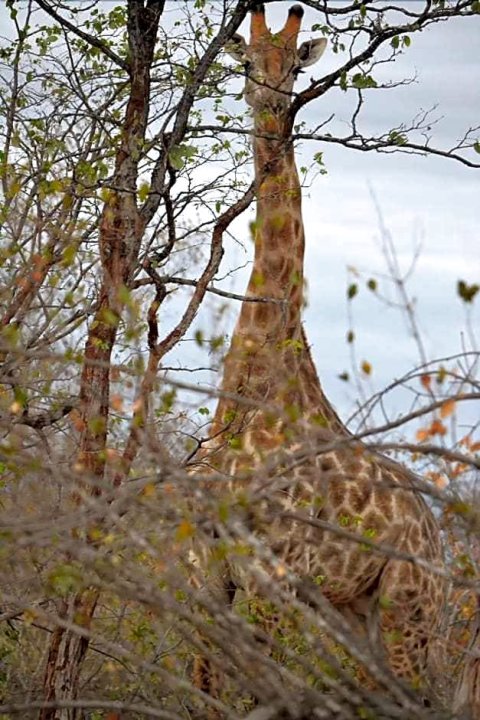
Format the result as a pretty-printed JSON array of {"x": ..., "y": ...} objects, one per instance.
[{"x": 447, "y": 408}]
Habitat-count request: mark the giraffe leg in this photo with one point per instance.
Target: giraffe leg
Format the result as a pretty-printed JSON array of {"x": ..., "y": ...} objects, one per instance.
[
  {"x": 206, "y": 674},
  {"x": 407, "y": 609},
  {"x": 207, "y": 679}
]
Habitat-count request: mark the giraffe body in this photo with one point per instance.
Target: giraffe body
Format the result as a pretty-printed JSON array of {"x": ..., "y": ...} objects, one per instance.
[
  {"x": 370, "y": 497},
  {"x": 269, "y": 363}
]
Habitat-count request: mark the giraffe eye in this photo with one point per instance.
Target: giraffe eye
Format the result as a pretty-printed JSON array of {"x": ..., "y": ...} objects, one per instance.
[{"x": 247, "y": 66}]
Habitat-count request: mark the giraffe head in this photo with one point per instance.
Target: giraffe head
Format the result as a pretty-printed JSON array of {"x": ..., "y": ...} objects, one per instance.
[{"x": 272, "y": 61}]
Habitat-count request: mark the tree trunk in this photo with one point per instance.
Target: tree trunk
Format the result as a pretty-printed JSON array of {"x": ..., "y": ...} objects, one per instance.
[{"x": 120, "y": 234}]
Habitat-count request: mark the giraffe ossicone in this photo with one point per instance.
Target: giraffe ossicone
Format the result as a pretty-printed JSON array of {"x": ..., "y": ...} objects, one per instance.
[{"x": 272, "y": 62}]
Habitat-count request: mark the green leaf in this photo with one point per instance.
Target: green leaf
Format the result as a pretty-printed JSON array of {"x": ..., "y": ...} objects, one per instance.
[
  {"x": 319, "y": 419},
  {"x": 350, "y": 336},
  {"x": 467, "y": 292},
  {"x": 167, "y": 401},
  {"x": 361, "y": 81},
  {"x": 64, "y": 579},
  {"x": 397, "y": 138},
  {"x": 365, "y": 714},
  {"x": 476, "y": 145},
  {"x": 395, "y": 42},
  {"x": 143, "y": 191},
  {"x": 216, "y": 342},
  {"x": 235, "y": 442},
  {"x": 179, "y": 155},
  {"x": 56, "y": 186},
  {"x": 229, "y": 416},
  {"x": 318, "y": 158},
  {"x": 10, "y": 335},
  {"x": 117, "y": 17},
  {"x": 296, "y": 345},
  {"x": 124, "y": 295},
  {"x": 68, "y": 255},
  {"x": 372, "y": 284},
  {"x": 21, "y": 396},
  {"x": 352, "y": 291},
  {"x": 385, "y": 602}
]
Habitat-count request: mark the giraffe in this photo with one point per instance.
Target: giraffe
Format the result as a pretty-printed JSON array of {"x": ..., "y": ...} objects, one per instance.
[{"x": 269, "y": 363}]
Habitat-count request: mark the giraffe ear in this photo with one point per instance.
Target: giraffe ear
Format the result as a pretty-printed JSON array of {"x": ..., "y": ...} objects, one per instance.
[
  {"x": 311, "y": 51},
  {"x": 236, "y": 48}
]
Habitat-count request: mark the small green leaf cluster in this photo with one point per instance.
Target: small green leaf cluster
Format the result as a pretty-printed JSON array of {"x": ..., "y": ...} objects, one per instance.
[
  {"x": 466, "y": 291},
  {"x": 361, "y": 81},
  {"x": 397, "y": 138},
  {"x": 400, "y": 41},
  {"x": 181, "y": 155}
]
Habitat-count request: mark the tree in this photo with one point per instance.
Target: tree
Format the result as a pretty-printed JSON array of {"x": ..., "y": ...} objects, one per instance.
[{"x": 117, "y": 120}]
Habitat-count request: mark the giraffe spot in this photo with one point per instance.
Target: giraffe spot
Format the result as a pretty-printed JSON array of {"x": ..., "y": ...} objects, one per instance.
[
  {"x": 403, "y": 503},
  {"x": 275, "y": 198},
  {"x": 385, "y": 504},
  {"x": 352, "y": 570},
  {"x": 404, "y": 576},
  {"x": 336, "y": 494},
  {"x": 284, "y": 277},
  {"x": 276, "y": 222},
  {"x": 414, "y": 538},
  {"x": 421, "y": 642},
  {"x": 431, "y": 527},
  {"x": 425, "y": 527},
  {"x": 352, "y": 467},
  {"x": 358, "y": 496},
  {"x": 295, "y": 302},
  {"x": 297, "y": 227},
  {"x": 416, "y": 575},
  {"x": 262, "y": 314},
  {"x": 267, "y": 440},
  {"x": 335, "y": 567},
  {"x": 373, "y": 521},
  {"x": 332, "y": 561},
  {"x": 277, "y": 266},
  {"x": 327, "y": 464}
]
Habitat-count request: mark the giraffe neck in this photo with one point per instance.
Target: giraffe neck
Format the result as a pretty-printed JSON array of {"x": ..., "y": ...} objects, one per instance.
[
  {"x": 269, "y": 360},
  {"x": 279, "y": 243}
]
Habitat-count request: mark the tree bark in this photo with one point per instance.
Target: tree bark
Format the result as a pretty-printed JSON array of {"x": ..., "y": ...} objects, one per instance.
[{"x": 120, "y": 234}]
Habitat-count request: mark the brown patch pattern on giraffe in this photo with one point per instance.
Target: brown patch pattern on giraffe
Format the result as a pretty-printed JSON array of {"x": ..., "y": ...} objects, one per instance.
[{"x": 363, "y": 494}]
